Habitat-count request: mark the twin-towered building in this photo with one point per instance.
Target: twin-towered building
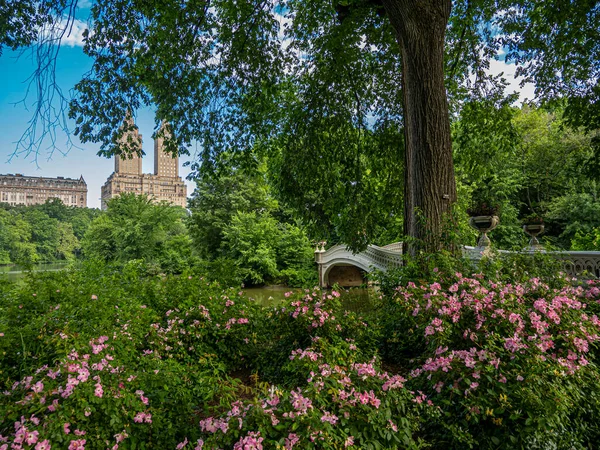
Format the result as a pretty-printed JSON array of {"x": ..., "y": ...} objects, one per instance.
[{"x": 164, "y": 184}]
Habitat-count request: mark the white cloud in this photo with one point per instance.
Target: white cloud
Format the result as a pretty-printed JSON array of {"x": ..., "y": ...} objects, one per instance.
[
  {"x": 526, "y": 92},
  {"x": 73, "y": 36},
  {"x": 68, "y": 31}
]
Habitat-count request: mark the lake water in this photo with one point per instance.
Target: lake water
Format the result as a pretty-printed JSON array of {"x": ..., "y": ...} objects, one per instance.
[
  {"x": 15, "y": 272},
  {"x": 355, "y": 299}
]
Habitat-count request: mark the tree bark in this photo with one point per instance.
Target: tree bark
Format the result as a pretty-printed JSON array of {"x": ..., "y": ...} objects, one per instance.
[{"x": 429, "y": 185}]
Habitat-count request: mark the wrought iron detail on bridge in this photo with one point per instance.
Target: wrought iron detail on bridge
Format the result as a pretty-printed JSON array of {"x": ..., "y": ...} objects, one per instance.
[
  {"x": 575, "y": 263},
  {"x": 373, "y": 258}
]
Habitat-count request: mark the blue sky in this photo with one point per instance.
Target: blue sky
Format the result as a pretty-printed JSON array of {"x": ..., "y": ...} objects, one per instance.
[
  {"x": 14, "y": 116},
  {"x": 71, "y": 65}
]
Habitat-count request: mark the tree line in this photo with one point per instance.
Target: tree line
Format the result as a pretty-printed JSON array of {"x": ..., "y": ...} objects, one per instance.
[
  {"x": 348, "y": 81},
  {"x": 243, "y": 224},
  {"x": 42, "y": 233}
]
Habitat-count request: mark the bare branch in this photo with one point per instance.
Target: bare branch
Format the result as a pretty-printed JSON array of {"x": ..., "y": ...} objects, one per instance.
[{"x": 50, "y": 108}]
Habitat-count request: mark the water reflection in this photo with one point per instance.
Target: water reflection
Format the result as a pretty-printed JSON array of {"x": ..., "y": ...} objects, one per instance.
[
  {"x": 15, "y": 272},
  {"x": 268, "y": 295}
]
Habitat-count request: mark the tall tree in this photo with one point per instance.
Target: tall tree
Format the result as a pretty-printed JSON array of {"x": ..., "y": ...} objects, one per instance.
[
  {"x": 429, "y": 185},
  {"x": 236, "y": 74}
]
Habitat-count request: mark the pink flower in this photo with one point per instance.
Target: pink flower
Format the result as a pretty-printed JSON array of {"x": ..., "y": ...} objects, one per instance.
[
  {"x": 291, "y": 440},
  {"x": 94, "y": 297},
  {"x": 77, "y": 444},
  {"x": 182, "y": 444},
  {"x": 98, "y": 392},
  {"x": 251, "y": 442},
  {"x": 349, "y": 441},
  {"x": 143, "y": 417},
  {"x": 31, "y": 437},
  {"x": 43, "y": 445},
  {"x": 121, "y": 436},
  {"x": 328, "y": 417},
  {"x": 66, "y": 428},
  {"x": 300, "y": 403},
  {"x": 199, "y": 444}
]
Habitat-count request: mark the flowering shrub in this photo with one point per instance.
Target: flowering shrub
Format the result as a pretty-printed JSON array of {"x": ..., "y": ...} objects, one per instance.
[
  {"x": 100, "y": 355},
  {"x": 506, "y": 363},
  {"x": 295, "y": 323},
  {"x": 104, "y": 358},
  {"x": 343, "y": 404}
]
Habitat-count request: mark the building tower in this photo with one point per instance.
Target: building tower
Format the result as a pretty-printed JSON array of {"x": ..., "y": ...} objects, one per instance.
[
  {"x": 130, "y": 164},
  {"x": 163, "y": 185},
  {"x": 165, "y": 164}
]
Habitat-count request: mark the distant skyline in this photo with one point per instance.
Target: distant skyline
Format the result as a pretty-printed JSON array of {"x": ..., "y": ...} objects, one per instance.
[
  {"x": 71, "y": 65},
  {"x": 14, "y": 117}
]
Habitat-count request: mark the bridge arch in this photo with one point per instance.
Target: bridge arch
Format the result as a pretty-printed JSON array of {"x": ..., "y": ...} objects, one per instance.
[
  {"x": 345, "y": 272},
  {"x": 373, "y": 257}
]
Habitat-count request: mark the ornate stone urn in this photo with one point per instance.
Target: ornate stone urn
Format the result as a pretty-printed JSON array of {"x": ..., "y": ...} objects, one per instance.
[
  {"x": 533, "y": 230},
  {"x": 484, "y": 224}
]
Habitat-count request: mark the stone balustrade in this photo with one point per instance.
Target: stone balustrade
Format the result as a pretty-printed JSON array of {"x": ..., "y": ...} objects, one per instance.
[{"x": 581, "y": 264}]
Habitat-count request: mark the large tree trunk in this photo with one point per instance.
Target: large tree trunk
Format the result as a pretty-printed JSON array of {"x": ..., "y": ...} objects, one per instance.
[{"x": 429, "y": 186}]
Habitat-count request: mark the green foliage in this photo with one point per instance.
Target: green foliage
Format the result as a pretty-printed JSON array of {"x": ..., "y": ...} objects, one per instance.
[
  {"x": 218, "y": 198},
  {"x": 529, "y": 163},
  {"x": 243, "y": 235},
  {"x": 42, "y": 233},
  {"x": 248, "y": 240},
  {"x": 54, "y": 319},
  {"x": 178, "y": 360},
  {"x": 136, "y": 228},
  {"x": 480, "y": 350},
  {"x": 589, "y": 241}
]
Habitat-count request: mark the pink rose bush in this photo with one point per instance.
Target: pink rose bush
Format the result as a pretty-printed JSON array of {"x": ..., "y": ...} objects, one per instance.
[
  {"x": 502, "y": 361},
  {"x": 342, "y": 404},
  {"x": 179, "y": 362}
]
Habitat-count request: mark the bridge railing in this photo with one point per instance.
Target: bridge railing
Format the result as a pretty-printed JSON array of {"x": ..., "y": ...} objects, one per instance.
[
  {"x": 374, "y": 257},
  {"x": 574, "y": 263}
]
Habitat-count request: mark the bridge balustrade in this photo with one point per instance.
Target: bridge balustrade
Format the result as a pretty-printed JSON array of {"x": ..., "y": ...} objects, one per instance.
[{"x": 575, "y": 263}]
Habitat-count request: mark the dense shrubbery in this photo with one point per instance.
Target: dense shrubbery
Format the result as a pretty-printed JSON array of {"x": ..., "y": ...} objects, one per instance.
[
  {"x": 42, "y": 233},
  {"x": 506, "y": 362},
  {"x": 135, "y": 227},
  {"x": 120, "y": 358},
  {"x": 243, "y": 234}
]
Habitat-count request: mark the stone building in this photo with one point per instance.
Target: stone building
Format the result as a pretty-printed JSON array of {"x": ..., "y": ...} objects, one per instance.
[
  {"x": 19, "y": 189},
  {"x": 164, "y": 184}
]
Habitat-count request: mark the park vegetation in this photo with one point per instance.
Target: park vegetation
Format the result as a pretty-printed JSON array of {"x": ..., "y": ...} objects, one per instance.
[
  {"x": 244, "y": 226},
  {"x": 107, "y": 356},
  {"x": 326, "y": 86},
  {"x": 42, "y": 233},
  {"x": 352, "y": 121}
]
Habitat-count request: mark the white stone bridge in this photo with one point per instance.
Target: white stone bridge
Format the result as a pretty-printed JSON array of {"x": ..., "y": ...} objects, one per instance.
[
  {"x": 347, "y": 269},
  {"x": 339, "y": 265}
]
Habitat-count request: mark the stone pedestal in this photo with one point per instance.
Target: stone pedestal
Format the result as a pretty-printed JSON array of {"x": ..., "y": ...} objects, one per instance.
[
  {"x": 533, "y": 230},
  {"x": 484, "y": 224}
]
